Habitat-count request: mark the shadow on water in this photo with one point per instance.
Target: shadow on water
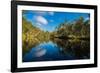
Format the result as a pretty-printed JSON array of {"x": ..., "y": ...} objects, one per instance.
[
  {"x": 58, "y": 49},
  {"x": 78, "y": 48}
]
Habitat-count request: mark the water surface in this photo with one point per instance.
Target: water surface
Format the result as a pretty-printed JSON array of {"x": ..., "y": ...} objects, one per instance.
[{"x": 58, "y": 50}]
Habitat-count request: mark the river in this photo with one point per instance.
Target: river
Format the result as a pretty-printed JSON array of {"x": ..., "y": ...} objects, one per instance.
[{"x": 58, "y": 50}]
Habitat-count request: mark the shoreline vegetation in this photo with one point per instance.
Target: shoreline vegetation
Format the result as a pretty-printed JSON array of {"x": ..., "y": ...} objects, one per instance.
[{"x": 75, "y": 30}]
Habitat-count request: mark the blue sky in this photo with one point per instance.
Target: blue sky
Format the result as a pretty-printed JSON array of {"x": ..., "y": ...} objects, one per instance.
[{"x": 48, "y": 21}]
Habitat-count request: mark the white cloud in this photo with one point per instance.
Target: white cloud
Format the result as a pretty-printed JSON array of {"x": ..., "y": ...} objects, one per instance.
[
  {"x": 38, "y": 23},
  {"x": 51, "y": 13},
  {"x": 41, "y": 20},
  {"x": 87, "y": 18},
  {"x": 44, "y": 13},
  {"x": 40, "y": 12}
]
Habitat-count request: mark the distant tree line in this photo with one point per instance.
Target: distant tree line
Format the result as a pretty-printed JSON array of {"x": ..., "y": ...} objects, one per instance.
[{"x": 77, "y": 29}]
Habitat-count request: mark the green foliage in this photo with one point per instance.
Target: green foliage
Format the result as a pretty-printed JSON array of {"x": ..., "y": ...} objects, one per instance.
[
  {"x": 31, "y": 35},
  {"x": 76, "y": 29},
  {"x": 78, "y": 26},
  {"x": 26, "y": 26}
]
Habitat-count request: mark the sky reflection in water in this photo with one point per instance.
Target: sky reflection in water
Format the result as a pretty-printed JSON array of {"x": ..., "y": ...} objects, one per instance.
[{"x": 49, "y": 51}]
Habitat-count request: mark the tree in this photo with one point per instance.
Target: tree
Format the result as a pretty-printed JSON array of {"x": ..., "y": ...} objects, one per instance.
[{"x": 76, "y": 28}]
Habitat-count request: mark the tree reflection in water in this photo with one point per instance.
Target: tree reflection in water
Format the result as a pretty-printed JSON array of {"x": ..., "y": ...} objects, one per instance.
[
  {"x": 57, "y": 49},
  {"x": 77, "y": 48}
]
